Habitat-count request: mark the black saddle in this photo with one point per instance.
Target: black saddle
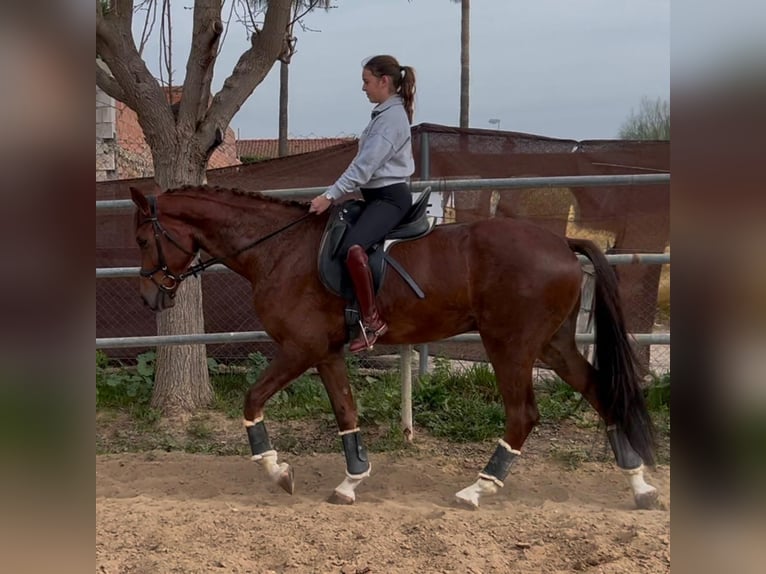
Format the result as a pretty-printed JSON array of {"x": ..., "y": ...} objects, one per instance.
[{"x": 332, "y": 268}]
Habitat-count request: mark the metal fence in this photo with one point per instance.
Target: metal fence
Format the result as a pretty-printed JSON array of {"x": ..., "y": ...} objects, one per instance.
[{"x": 464, "y": 347}]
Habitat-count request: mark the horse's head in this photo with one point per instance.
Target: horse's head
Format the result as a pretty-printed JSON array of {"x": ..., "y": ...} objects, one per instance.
[{"x": 166, "y": 252}]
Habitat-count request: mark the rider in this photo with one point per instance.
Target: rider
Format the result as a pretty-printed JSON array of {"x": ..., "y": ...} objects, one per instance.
[{"x": 381, "y": 171}]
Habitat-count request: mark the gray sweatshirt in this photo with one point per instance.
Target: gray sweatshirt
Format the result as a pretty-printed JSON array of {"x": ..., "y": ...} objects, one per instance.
[{"x": 385, "y": 152}]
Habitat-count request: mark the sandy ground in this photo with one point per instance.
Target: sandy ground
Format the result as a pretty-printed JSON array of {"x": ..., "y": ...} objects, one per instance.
[{"x": 162, "y": 511}]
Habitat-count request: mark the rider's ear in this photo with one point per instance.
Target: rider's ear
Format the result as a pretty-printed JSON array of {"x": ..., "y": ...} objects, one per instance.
[{"x": 140, "y": 200}]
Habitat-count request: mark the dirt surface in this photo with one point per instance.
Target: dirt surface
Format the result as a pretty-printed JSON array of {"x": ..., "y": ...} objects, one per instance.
[{"x": 162, "y": 511}]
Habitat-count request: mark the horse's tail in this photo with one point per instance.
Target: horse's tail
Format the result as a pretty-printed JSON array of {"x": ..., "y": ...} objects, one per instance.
[{"x": 618, "y": 371}]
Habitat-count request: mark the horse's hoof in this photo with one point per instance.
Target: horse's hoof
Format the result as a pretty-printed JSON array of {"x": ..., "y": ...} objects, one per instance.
[
  {"x": 340, "y": 498},
  {"x": 647, "y": 500},
  {"x": 467, "y": 501},
  {"x": 286, "y": 480}
]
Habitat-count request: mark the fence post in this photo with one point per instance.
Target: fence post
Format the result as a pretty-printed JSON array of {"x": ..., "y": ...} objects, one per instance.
[
  {"x": 425, "y": 174},
  {"x": 585, "y": 322},
  {"x": 405, "y": 368}
]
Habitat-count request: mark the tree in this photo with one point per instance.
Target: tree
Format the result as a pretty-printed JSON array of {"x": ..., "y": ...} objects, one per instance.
[
  {"x": 651, "y": 122},
  {"x": 299, "y": 9},
  {"x": 465, "y": 68},
  {"x": 181, "y": 136}
]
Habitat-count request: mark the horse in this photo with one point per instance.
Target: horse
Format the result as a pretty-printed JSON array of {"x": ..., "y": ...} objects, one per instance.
[{"x": 515, "y": 283}]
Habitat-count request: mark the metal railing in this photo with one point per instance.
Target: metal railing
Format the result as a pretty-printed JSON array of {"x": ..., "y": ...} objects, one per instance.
[{"x": 437, "y": 185}]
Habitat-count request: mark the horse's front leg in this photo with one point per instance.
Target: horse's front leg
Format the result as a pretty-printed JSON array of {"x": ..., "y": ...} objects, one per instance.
[
  {"x": 335, "y": 378},
  {"x": 281, "y": 371}
]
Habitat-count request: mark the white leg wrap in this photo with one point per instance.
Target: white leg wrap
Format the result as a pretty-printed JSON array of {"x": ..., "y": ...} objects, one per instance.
[
  {"x": 346, "y": 488},
  {"x": 644, "y": 494},
  {"x": 471, "y": 494},
  {"x": 253, "y": 422},
  {"x": 268, "y": 461}
]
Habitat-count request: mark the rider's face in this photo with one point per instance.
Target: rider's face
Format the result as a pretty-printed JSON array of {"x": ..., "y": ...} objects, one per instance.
[{"x": 377, "y": 89}]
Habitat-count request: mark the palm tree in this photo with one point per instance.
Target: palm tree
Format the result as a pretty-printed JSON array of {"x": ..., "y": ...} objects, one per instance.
[
  {"x": 298, "y": 9},
  {"x": 465, "y": 41}
]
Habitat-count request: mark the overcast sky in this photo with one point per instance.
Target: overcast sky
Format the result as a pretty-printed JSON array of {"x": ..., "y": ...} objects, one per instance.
[{"x": 558, "y": 68}]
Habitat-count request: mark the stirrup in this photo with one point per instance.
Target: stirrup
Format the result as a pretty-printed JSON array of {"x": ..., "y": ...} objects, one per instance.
[
  {"x": 374, "y": 335},
  {"x": 363, "y": 331}
]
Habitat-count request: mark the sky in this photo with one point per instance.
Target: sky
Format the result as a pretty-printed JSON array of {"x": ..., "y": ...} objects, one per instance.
[{"x": 556, "y": 68}]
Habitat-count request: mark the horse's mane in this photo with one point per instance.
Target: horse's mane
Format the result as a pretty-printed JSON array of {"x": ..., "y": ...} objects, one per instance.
[{"x": 236, "y": 192}]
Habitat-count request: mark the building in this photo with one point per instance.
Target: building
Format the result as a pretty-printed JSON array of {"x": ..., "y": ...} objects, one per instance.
[
  {"x": 122, "y": 151},
  {"x": 258, "y": 150}
]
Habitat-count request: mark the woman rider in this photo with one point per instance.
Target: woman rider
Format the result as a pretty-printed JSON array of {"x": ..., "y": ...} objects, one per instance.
[{"x": 381, "y": 171}]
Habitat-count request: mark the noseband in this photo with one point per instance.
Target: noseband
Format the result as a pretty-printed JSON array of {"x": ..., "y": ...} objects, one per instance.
[{"x": 167, "y": 274}]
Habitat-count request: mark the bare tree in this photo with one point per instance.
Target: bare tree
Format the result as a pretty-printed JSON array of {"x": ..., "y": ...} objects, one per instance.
[
  {"x": 651, "y": 122},
  {"x": 182, "y": 136}
]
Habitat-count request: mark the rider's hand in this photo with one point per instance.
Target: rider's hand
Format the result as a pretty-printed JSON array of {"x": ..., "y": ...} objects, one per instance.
[{"x": 320, "y": 204}]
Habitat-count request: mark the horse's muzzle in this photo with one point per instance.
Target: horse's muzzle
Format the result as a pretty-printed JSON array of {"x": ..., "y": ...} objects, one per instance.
[{"x": 159, "y": 302}]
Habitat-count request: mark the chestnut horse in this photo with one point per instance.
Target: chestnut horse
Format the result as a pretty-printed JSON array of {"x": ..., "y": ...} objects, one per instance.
[{"x": 517, "y": 284}]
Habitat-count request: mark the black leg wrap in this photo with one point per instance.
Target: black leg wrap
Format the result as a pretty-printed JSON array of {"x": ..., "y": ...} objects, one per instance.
[
  {"x": 500, "y": 464},
  {"x": 259, "y": 438},
  {"x": 627, "y": 458},
  {"x": 356, "y": 454}
]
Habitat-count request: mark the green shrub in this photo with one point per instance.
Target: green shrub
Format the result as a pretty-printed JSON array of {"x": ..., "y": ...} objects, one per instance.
[
  {"x": 657, "y": 393},
  {"x": 556, "y": 400},
  {"x": 378, "y": 399},
  {"x": 461, "y": 406},
  {"x": 256, "y": 364},
  {"x": 125, "y": 387},
  {"x": 305, "y": 397}
]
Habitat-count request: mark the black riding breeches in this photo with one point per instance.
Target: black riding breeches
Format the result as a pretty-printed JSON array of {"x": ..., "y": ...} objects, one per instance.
[{"x": 385, "y": 208}]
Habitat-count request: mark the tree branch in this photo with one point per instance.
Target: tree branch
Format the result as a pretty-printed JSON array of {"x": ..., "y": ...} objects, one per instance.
[
  {"x": 128, "y": 79},
  {"x": 250, "y": 70},
  {"x": 206, "y": 35},
  {"x": 108, "y": 84},
  {"x": 122, "y": 11}
]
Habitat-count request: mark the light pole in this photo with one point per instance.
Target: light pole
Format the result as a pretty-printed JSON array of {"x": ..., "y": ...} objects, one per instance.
[{"x": 495, "y": 122}]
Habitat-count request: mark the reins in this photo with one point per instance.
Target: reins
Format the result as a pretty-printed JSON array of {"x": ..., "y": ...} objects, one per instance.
[
  {"x": 194, "y": 269},
  {"x": 201, "y": 266}
]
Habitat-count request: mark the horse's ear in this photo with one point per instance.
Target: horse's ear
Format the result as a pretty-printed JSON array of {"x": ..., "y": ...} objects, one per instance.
[{"x": 140, "y": 200}]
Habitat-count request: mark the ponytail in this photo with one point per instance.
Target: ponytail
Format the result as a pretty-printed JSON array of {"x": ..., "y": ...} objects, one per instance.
[
  {"x": 407, "y": 90},
  {"x": 402, "y": 78}
]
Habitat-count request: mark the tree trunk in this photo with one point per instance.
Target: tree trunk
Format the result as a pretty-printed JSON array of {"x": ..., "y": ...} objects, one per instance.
[
  {"x": 283, "y": 85},
  {"x": 181, "y": 380},
  {"x": 465, "y": 41},
  {"x": 181, "y": 138}
]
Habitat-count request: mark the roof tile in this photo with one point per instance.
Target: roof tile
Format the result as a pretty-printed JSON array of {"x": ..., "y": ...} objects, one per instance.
[{"x": 269, "y": 148}]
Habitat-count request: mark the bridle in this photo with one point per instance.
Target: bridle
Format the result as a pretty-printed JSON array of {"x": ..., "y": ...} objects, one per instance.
[{"x": 167, "y": 274}]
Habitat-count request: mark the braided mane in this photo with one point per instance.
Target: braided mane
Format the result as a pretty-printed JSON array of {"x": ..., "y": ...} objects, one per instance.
[{"x": 208, "y": 190}]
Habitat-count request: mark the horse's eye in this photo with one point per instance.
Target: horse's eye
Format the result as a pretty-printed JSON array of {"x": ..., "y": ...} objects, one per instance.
[{"x": 142, "y": 243}]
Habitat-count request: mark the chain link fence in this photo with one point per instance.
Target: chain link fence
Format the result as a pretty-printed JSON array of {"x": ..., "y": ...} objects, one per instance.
[{"x": 619, "y": 219}]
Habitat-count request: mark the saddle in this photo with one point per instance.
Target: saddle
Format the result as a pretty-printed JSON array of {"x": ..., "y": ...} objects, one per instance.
[{"x": 332, "y": 268}]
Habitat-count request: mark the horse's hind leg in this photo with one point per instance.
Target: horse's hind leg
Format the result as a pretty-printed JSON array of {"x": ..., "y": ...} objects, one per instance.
[
  {"x": 562, "y": 355},
  {"x": 334, "y": 375},
  {"x": 513, "y": 364}
]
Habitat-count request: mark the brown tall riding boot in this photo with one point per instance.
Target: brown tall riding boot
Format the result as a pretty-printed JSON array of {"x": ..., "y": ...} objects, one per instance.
[{"x": 372, "y": 324}]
